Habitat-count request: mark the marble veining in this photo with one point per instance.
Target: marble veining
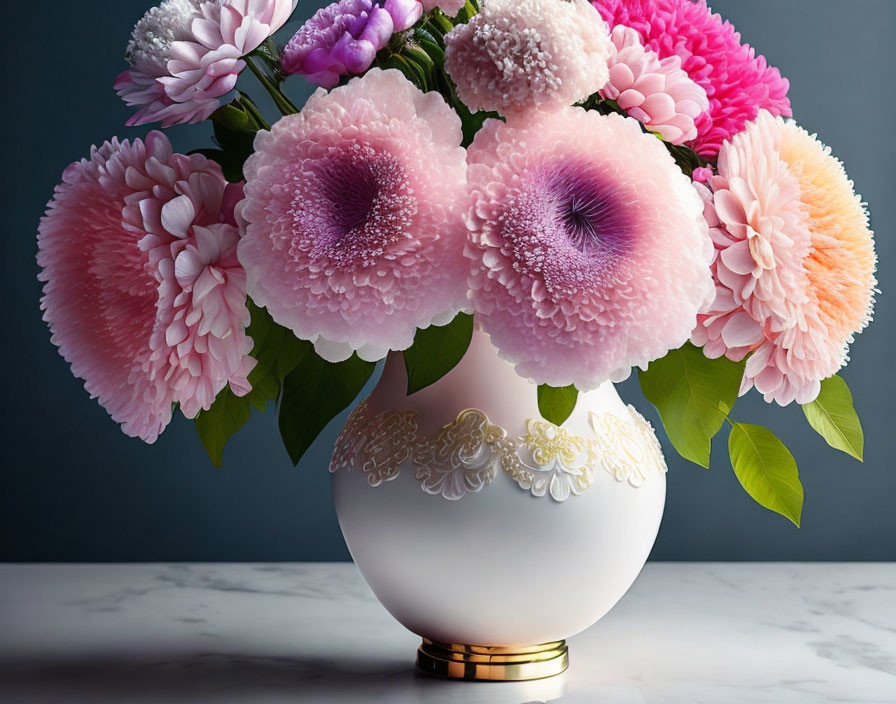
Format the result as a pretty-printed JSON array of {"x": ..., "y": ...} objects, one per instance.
[{"x": 685, "y": 633}]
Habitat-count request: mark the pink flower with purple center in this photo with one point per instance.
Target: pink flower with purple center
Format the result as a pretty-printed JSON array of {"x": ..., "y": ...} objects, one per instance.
[
  {"x": 590, "y": 254},
  {"x": 343, "y": 38},
  {"x": 737, "y": 82},
  {"x": 148, "y": 301},
  {"x": 355, "y": 217}
]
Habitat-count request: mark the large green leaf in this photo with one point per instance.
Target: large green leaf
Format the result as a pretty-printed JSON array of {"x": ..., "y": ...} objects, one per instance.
[
  {"x": 436, "y": 351},
  {"x": 277, "y": 351},
  {"x": 216, "y": 425},
  {"x": 314, "y": 393},
  {"x": 766, "y": 469},
  {"x": 557, "y": 404},
  {"x": 694, "y": 395},
  {"x": 834, "y": 417}
]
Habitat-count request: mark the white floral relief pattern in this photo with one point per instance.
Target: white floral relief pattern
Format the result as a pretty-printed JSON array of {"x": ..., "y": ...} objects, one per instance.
[
  {"x": 467, "y": 454},
  {"x": 627, "y": 448},
  {"x": 553, "y": 460},
  {"x": 376, "y": 446}
]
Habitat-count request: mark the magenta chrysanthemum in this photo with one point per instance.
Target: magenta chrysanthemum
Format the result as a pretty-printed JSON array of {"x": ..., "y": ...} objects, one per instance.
[
  {"x": 516, "y": 55},
  {"x": 185, "y": 55},
  {"x": 590, "y": 252},
  {"x": 657, "y": 93},
  {"x": 354, "y": 208},
  {"x": 343, "y": 38},
  {"x": 737, "y": 82},
  {"x": 794, "y": 265},
  {"x": 144, "y": 294}
]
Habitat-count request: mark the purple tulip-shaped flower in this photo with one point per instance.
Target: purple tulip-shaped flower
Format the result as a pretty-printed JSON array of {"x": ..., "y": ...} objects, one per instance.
[{"x": 344, "y": 38}]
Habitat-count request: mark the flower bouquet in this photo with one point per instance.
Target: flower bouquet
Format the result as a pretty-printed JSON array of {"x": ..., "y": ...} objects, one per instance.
[{"x": 595, "y": 186}]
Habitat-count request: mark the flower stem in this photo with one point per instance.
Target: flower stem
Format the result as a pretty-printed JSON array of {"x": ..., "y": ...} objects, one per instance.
[
  {"x": 253, "y": 110},
  {"x": 284, "y": 104}
]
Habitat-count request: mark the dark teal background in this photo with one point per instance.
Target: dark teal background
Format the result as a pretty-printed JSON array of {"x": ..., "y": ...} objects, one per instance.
[{"x": 74, "y": 488}]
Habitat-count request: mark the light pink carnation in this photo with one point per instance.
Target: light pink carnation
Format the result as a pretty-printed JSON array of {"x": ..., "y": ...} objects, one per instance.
[
  {"x": 590, "y": 253},
  {"x": 737, "y": 82},
  {"x": 185, "y": 55},
  {"x": 656, "y": 92},
  {"x": 794, "y": 265},
  {"x": 516, "y": 55},
  {"x": 449, "y": 7},
  {"x": 144, "y": 294},
  {"x": 354, "y": 209}
]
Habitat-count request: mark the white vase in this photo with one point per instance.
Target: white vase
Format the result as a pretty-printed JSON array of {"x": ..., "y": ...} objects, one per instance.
[{"x": 489, "y": 532}]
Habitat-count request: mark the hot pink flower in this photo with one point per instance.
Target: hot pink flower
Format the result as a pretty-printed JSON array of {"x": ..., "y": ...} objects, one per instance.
[
  {"x": 657, "y": 93},
  {"x": 516, "y": 55},
  {"x": 354, "y": 209},
  {"x": 343, "y": 38},
  {"x": 144, "y": 294},
  {"x": 737, "y": 82},
  {"x": 590, "y": 253},
  {"x": 794, "y": 264},
  {"x": 185, "y": 55}
]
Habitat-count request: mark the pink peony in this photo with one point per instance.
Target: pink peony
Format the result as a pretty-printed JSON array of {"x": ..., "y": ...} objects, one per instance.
[
  {"x": 658, "y": 93},
  {"x": 185, "y": 55},
  {"x": 737, "y": 82},
  {"x": 516, "y": 55},
  {"x": 590, "y": 253},
  {"x": 449, "y": 7},
  {"x": 354, "y": 209},
  {"x": 343, "y": 38},
  {"x": 144, "y": 295},
  {"x": 794, "y": 265}
]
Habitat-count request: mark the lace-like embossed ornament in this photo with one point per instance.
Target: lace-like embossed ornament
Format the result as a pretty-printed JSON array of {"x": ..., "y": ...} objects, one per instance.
[
  {"x": 465, "y": 456},
  {"x": 376, "y": 446},
  {"x": 553, "y": 460},
  {"x": 626, "y": 448}
]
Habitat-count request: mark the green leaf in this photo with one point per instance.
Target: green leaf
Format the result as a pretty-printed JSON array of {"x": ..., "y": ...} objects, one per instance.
[
  {"x": 694, "y": 395},
  {"x": 834, "y": 417},
  {"x": 216, "y": 425},
  {"x": 436, "y": 351},
  {"x": 766, "y": 469},
  {"x": 277, "y": 351},
  {"x": 557, "y": 404},
  {"x": 314, "y": 393}
]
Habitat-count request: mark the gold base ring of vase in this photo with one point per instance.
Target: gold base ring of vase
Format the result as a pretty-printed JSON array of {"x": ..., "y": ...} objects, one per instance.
[{"x": 492, "y": 664}]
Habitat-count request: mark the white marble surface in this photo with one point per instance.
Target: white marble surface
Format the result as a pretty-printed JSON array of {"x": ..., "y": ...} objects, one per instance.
[{"x": 714, "y": 633}]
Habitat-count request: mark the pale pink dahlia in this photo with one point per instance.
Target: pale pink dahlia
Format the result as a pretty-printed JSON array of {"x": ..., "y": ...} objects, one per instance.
[
  {"x": 144, "y": 294},
  {"x": 737, "y": 82},
  {"x": 185, "y": 55},
  {"x": 516, "y": 55},
  {"x": 354, "y": 209},
  {"x": 794, "y": 265},
  {"x": 590, "y": 252},
  {"x": 449, "y": 7},
  {"x": 656, "y": 92},
  {"x": 343, "y": 38}
]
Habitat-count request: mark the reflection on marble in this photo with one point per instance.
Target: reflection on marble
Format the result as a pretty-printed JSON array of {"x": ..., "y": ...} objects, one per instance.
[{"x": 701, "y": 633}]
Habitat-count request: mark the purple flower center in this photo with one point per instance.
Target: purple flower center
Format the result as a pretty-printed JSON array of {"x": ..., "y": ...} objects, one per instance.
[
  {"x": 570, "y": 227},
  {"x": 359, "y": 207}
]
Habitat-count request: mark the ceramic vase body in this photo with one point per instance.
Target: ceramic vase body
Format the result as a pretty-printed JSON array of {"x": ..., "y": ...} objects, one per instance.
[{"x": 476, "y": 522}]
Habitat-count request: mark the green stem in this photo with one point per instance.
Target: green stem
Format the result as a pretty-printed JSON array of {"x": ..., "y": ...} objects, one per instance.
[
  {"x": 284, "y": 105},
  {"x": 253, "y": 110}
]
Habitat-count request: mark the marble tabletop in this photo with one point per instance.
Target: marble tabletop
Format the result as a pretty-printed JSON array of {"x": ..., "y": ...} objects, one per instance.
[{"x": 714, "y": 633}]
